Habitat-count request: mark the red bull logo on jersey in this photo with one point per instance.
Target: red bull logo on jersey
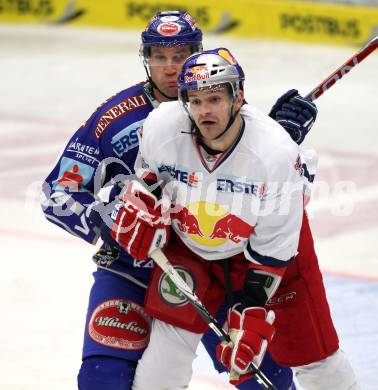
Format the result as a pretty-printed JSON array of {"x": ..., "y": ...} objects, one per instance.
[
  {"x": 231, "y": 227},
  {"x": 187, "y": 222},
  {"x": 209, "y": 224}
]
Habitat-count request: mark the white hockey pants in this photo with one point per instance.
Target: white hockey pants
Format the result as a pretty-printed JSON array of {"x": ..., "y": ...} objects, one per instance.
[
  {"x": 332, "y": 373},
  {"x": 166, "y": 364}
]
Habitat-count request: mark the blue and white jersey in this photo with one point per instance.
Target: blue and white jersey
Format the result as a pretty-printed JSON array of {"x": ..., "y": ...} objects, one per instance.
[
  {"x": 248, "y": 198},
  {"x": 100, "y": 153}
]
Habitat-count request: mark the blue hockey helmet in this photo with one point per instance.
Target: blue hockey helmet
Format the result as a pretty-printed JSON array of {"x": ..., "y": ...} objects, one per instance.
[
  {"x": 171, "y": 28},
  {"x": 210, "y": 68}
]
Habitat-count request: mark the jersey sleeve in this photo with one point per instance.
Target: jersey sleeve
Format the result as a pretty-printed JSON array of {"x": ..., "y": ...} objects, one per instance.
[
  {"x": 309, "y": 163},
  {"x": 100, "y": 153},
  {"x": 145, "y": 165},
  {"x": 69, "y": 190},
  {"x": 275, "y": 238}
]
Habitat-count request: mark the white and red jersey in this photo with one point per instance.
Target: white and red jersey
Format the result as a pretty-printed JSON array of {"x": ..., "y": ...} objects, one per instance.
[{"x": 248, "y": 198}]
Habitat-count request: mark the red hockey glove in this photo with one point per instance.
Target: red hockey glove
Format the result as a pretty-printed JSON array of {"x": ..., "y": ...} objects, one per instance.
[
  {"x": 139, "y": 224},
  {"x": 250, "y": 333}
]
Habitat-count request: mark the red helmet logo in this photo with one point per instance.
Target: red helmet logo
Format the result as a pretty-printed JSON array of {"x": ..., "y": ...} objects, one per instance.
[{"x": 169, "y": 28}]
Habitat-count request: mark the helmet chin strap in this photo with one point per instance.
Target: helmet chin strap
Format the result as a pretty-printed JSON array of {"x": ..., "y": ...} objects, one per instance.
[
  {"x": 154, "y": 86},
  {"x": 229, "y": 124}
]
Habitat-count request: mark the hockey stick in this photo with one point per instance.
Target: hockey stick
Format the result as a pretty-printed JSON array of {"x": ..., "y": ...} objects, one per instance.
[
  {"x": 161, "y": 260},
  {"x": 343, "y": 69}
]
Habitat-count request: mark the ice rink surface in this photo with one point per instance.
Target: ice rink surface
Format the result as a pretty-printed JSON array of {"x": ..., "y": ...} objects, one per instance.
[{"x": 51, "y": 79}]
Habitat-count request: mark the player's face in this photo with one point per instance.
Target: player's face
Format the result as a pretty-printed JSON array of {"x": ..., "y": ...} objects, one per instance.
[
  {"x": 211, "y": 108},
  {"x": 165, "y": 64}
]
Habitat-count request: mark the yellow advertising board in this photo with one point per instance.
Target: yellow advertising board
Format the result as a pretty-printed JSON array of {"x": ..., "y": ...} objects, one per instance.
[{"x": 276, "y": 19}]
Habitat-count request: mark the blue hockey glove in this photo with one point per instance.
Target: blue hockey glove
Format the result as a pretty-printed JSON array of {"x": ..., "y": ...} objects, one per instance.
[
  {"x": 100, "y": 214},
  {"x": 295, "y": 114}
]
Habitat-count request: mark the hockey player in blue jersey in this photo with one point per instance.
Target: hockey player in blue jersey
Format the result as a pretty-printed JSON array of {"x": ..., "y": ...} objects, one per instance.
[{"x": 101, "y": 154}]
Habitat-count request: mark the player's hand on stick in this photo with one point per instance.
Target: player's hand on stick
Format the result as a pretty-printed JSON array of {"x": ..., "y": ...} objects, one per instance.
[
  {"x": 139, "y": 226},
  {"x": 250, "y": 331},
  {"x": 295, "y": 114}
]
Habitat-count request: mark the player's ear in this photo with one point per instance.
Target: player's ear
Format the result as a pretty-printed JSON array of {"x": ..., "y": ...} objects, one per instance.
[{"x": 239, "y": 100}]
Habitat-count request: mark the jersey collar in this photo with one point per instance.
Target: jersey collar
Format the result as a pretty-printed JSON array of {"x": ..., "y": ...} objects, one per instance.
[{"x": 217, "y": 159}]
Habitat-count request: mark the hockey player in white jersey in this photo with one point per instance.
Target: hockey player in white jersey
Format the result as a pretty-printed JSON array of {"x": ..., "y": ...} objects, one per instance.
[{"x": 235, "y": 182}]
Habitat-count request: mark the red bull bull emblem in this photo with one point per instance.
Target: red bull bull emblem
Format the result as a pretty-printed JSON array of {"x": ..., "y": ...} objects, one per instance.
[
  {"x": 231, "y": 227},
  {"x": 197, "y": 73},
  {"x": 209, "y": 224},
  {"x": 187, "y": 222}
]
